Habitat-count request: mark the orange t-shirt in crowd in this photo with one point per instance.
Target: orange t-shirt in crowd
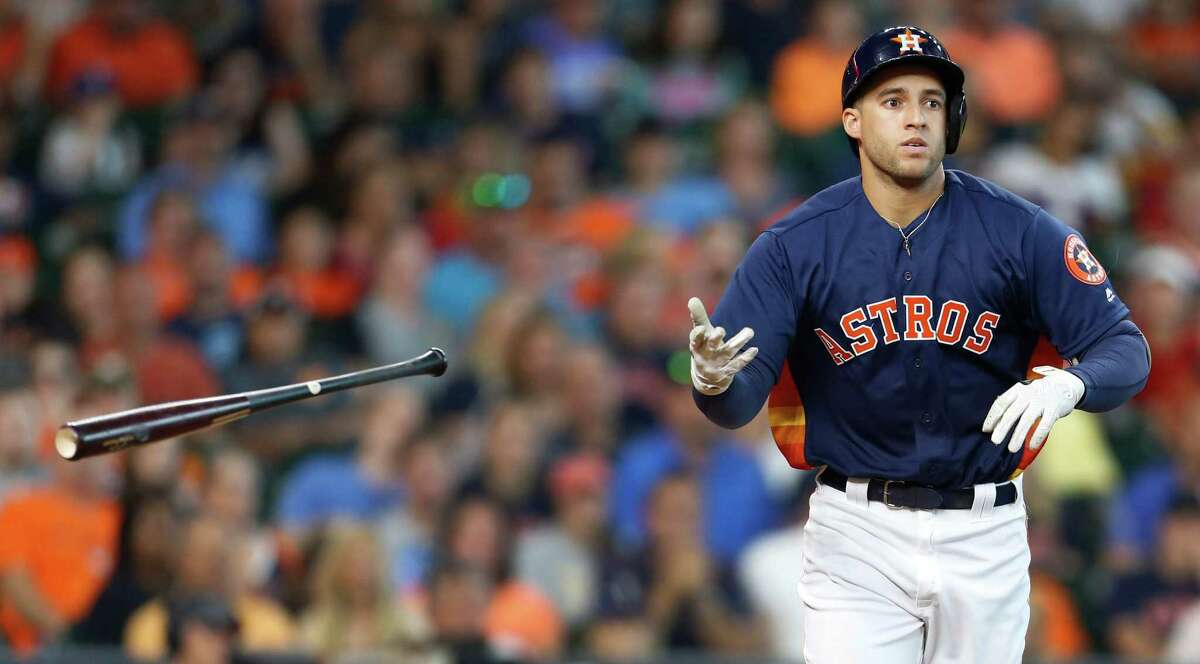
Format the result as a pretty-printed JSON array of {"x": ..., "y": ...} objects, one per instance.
[
  {"x": 152, "y": 66},
  {"x": 68, "y": 547},
  {"x": 12, "y": 49},
  {"x": 520, "y": 615},
  {"x": 806, "y": 88},
  {"x": 172, "y": 285},
  {"x": 173, "y": 369},
  {"x": 1061, "y": 630},
  {"x": 1013, "y": 73},
  {"x": 1168, "y": 41},
  {"x": 325, "y": 294}
]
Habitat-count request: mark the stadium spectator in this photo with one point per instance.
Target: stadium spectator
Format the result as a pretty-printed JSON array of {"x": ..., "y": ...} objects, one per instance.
[
  {"x": 276, "y": 352},
  {"x": 58, "y": 545},
  {"x": 145, "y": 560},
  {"x": 768, "y": 573},
  {"x": 458, "y": 601},
  {"x": 197, "y": 158},
  {"x": 359, "y": 487},
  {"x": 597, "y": 419},
  {"x": 392, "y": 318},
  {"x": 271, "y": 149},
  {"x": 806, "y": 79},
  {"x": 585, "y": 63},
  {"x": 1162, "y": 284},
  {"x": 173, "y": 229},
  {"x": 151, "y": 60},
  {"x": 19, "y": 319},
  {"x": 201, "y": 630},
  {"x": 561, "y": 559},
  {"x": 1182, "y": 202},
  {"x": 512, "y": 456},
  {"x": 691, "y": 80},
  {"x": 27, "y": 37},
  {"x": 534, "y": 372},
  {"x": 306, "y": 266},
  {"x": 1134, "y": 120},
  {"x": 90, "y": 151},
  {"x": 379, "y": 204},
  {"x": 88, "y": 301},
  {"x": 1145, "y": 606},
  {"x": 666, "y": 199},
  {"x": 213, "y": 320},
  {"x": 736, "y": 504},
  {"x": 1166, "y": 47},
  {"x": 1062, "y": 173},
  {"x": 745, "y": 163},
  {"x": 167, "y": 368},
  {"x": 230, "y": 494},
  {"x": 476, "y": 532},
  {"x": 993, "y": 49},
  {"x": 19, "y": 469},
  {"x": 353, "y": 612},
  {"x": 408, "y": 532},
  {"x": 673, "y": 588},
  {"x": 1136, "y": 520},
  {"x": 207, "y": 567}
]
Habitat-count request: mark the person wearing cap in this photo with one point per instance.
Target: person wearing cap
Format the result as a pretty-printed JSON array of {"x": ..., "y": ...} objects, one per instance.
[
  {"x": 561, "y": 558},
  {"x": 895, "y": 317},
  {"x": 1162, "y": 281},
  {"x": 88, "y": 150}
]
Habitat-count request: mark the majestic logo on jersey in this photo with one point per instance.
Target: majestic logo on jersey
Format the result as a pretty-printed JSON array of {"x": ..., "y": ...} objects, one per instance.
[
  {"x": 909, "y": 42},
  {"x": 949, "y": 326},
  {"x": 1081, "y": 263}
]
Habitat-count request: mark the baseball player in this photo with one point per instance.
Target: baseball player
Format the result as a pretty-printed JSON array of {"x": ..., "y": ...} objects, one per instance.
[{"x": 894, "y": 318}]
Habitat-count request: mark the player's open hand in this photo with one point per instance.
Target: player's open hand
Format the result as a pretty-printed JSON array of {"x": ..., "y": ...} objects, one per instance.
[
  {"x": 1048, "y": 398},
  {"x": 714, "y": 360}
]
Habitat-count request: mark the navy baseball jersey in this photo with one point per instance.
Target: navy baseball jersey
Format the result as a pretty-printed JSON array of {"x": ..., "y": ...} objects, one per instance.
[{"x": 885, "y": 359}]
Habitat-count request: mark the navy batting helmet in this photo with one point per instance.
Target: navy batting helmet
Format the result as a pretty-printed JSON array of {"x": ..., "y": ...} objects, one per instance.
[{"x": 907, "y": 45}]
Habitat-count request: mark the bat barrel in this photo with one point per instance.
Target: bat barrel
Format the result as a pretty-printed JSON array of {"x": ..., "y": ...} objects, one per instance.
[{"x": 108, "y": 433}]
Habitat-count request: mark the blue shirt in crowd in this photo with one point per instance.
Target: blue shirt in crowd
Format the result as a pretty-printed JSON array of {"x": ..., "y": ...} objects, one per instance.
[
  {"x": 736, "y": 504},
  {"x": 332, "y": 486}
]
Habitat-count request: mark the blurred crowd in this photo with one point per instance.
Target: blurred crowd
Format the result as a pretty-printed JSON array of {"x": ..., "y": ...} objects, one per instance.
[{"x": 209, "y": 196}]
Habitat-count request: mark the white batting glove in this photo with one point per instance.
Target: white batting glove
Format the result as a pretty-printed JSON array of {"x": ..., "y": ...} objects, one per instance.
[
  {"x": 1048, "y": 398},
  {"x": 713, "y": 361}
]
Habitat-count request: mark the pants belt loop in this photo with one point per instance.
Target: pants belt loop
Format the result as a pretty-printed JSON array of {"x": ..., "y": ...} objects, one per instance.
[
  {"x": 856, "y": 490},
  {"x": 985, "y": 501}
]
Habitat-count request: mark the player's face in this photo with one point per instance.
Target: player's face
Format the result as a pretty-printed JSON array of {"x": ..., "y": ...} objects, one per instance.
[{"x": 901, "y": 124}]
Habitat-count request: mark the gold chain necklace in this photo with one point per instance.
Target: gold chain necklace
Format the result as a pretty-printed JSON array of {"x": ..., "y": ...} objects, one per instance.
[{"x": 905, "y": 238}]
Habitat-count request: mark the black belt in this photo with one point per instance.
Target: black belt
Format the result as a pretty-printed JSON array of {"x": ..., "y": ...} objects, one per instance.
[{"x": 906, "y": 494}]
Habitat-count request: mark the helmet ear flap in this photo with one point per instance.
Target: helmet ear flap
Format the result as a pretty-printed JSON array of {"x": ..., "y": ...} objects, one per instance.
[{"x": 956, "y": 120}]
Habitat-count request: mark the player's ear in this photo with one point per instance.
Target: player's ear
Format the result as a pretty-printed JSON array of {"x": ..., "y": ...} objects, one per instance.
[{"x": 852, "y": 122}]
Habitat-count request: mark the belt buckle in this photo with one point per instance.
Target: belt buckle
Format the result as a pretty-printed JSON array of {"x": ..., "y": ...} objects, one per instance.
[{"x": 887, "y": 500}]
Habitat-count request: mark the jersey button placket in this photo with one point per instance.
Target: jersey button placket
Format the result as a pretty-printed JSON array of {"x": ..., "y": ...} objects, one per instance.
[{"x": 908, "y": 275}]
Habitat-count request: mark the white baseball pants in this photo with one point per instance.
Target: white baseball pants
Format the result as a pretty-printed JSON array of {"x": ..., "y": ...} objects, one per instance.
[{"x": 905, "y": 586}]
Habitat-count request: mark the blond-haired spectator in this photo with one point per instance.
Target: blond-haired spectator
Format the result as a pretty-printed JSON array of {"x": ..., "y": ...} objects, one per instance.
[{"x": 353, "y": 610}]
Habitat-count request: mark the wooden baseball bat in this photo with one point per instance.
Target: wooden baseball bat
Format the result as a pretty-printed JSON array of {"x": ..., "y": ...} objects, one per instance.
[{"x": 140, "y": 426}]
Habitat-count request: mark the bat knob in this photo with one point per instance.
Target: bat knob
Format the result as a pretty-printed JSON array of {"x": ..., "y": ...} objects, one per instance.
[
  {"x": 441, "y": 367},
  {"x": 66, "y": 441}
]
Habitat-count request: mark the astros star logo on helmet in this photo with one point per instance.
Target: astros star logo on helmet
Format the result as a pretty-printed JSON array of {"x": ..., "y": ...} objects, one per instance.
[{"x": 909, "y": 42}]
